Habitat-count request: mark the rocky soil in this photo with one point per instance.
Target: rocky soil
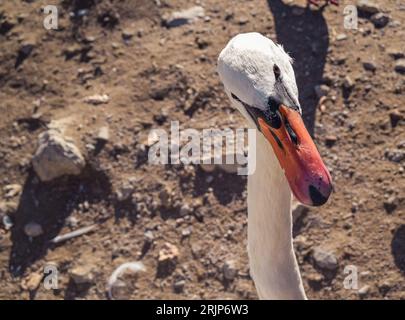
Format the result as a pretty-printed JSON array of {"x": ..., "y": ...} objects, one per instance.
[{"x": 77, "y": 105}]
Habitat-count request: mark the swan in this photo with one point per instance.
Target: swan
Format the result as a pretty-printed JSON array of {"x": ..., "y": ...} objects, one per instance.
[{"x": 259, "y": 80}]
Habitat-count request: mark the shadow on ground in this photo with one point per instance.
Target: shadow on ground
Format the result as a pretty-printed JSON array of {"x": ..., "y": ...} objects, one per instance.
[
  {"x": 304, "y": 35},
  {"x": 49, "y": 204},
  {"x": 398, "y": 248}
]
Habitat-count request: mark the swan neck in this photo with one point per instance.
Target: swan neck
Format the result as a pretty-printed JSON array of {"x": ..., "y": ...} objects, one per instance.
[{"x": 273, "y": 264}]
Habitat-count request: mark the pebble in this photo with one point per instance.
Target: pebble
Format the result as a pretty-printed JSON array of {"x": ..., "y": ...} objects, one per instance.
[
  {"x": 391, "y": 204},
  {"x": 169, "y": 252},
  {"x": 396, "y": 53},
  {"x": 149, "y": 237},
  {"x": 8, "y": 207},
  {"x": 7, "y": 222},
  {"x": 369, "y": 65},
  {"x": 364, "y": 291},
  {"x": 315, "y": 279},
  {"x": 97, "y": 99},
  {"x": 33, "y": 229},
  {"x": 128, "y": 34},
  {"x": 348, "y": 83},
  {"x": 183, "y": 17},
  {"x": 124, "y": 192},
  {"x": 400, "y": 66},
  {"x": 56, "y": 155},
  {"x": 324, "y": 259},
  {"x": 165, "y": 197},
  {"x": 81, "y": 275},
  {"x": 395, "y": 117},
  {"x": 367, "y": 6},
  {"x": 380, "y": 20},
  {"x": 395, "y": 155},
  {"x": 229, "y": 270},
  {"x": 103, "y": 134},
  {"x": 186, "y": 232},
  {"x": 178, "y": 286},
  {"x": 341, "y": 37},
  {"x": 185, "y": 210},
  {"x": 330, "y": 140},
  {"x": 33, "y": 281},
  {"x": 12, "y": 190}
]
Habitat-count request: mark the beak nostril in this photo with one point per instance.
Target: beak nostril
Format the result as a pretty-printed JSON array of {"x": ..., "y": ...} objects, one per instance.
[{"x": 317, "y": 198}]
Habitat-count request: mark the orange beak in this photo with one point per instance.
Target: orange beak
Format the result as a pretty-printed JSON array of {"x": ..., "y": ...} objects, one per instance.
[{"x": 297, "y": 154}]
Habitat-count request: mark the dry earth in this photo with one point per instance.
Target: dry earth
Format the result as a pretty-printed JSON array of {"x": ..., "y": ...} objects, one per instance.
[{"x": 152, "y": 75}]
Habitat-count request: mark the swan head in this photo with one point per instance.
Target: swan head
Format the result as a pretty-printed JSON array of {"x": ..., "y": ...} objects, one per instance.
[{"x": 259, "y": 80}]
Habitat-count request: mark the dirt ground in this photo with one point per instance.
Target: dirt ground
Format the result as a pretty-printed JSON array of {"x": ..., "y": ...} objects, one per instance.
[{"x": 153, "y": 75}]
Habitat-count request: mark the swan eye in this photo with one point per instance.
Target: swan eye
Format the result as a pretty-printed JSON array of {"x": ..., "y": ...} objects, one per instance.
[{"x": 277, "y": 72}]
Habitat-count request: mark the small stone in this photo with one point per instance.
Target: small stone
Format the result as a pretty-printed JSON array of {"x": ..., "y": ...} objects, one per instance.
[
  {"x": 185, "y": 210},
  {"x": 33, "y": 281},
  {"x": 7, "y": 222},
  {"x": 369, "y": 66},
  {"x": 395, "y": 117},
  {"x": 367, "y": 6},
  {"x": 324, "y": 259},
  {"x": 8, "y": 207},
  {"x": 12, "y": 190},
  {"x": 183, "y": 17},
  {"x": 348, "y": 83},
  {"x": 380, "y": 20},
  {"x": 395, "y": 155},
  {"x": 330, "y": 140},
  {"x": 81, "y": 275},
  {"x": 128, "y": 34},
  {"x": 341, "y": 37},
  {"x": 124, "y": 192},
  {"x": 97, "y": 99},
  {"x": 400, "y": 66},
  {"x": 396, "y": 53},
  {"x": 149, "y": 237},
  {"x": 24, "y": 52},
  {"x": 197, "y": 250},
  {"x": 103, "y": 134},
  {"x": 169, "y": 252},
  {"x": 315, "y": 280},
  {"x": 364, "y": 291},
  {"x": 165, "y": 197},
  {"x": 384, "y": 287},
  {"x": 321, "y": 90},
  {"x": 33, "y": 229},
  {"x": 229, "y": 270},
  {"x": 57, "y": 155},
  {"x": 391, "y": 204},
  {"x": 186, "y": 232},
  {"x": 243, "y": 20},
  {"x": 178, "y": 286}
]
